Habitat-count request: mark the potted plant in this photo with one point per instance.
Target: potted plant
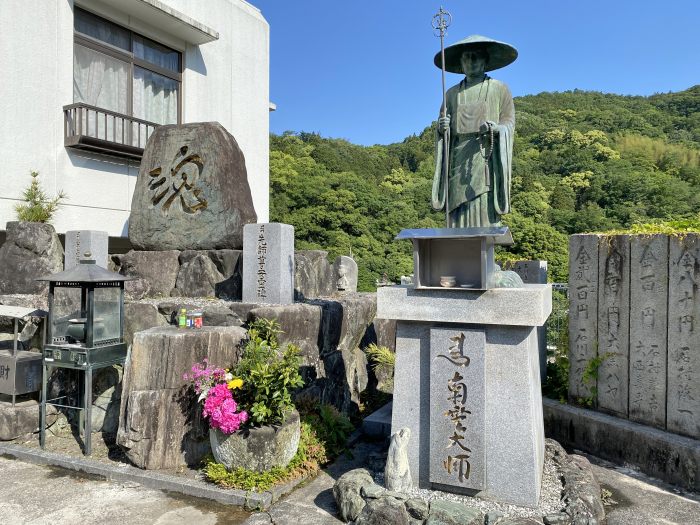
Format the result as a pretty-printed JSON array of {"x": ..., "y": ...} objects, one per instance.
[{"x": 260, "y": 429}]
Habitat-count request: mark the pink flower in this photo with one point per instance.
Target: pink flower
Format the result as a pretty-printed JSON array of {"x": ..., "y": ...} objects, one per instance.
[{"x": 220, "y": 408}]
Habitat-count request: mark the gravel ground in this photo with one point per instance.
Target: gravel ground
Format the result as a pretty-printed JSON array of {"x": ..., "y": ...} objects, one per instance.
[{"x": 549, "y": 498}]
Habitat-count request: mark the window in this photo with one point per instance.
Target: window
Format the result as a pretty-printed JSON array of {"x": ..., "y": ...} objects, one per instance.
[{"x": 118, "y": 70}]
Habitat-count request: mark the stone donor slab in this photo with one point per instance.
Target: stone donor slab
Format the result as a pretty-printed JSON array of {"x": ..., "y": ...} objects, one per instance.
[
  {"x": 583, "y": 311},
  {"x": 268, "y": 263},
  {"x": 192, "y": 190},
  {"x": 80, "y": 242},
  {"x": 447, "y": 403}
]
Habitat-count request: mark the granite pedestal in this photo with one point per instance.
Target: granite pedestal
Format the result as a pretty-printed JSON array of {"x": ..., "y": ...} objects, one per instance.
[{"x": 467, "y": 384}]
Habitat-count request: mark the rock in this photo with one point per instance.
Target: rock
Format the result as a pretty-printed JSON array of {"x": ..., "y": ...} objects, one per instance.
[
  {"x": 138, "y": 317},
  {"x": 160, "y": 424},
  {"x": 372, "y": 492},
  {"x": 560, "y": 518},
  {"x": 197, "y": 278},
  {"x": 492, "y": 517},
  {"x": 301, "y": 326},
  {"x": 347, "y": 492},
  {"x": 581, "y": 492},
  {"x": 451, "y": 513},
  {"x": 417, "y": 508},
  {"x": 345, "y": 269},
  {"x": 520, "y": 521},
  {"x": 157, "y": 272},
  {"x": 23, "y": 418},
  {"x": 213, "y": 199},
  {"x": 106, "y": 388},
  {"x": 217, "y": 315},
  {"x": 397, "y": 475},
  {"x": 346, "y": 379},
  {"x": 313, "y": 275},
  {"x": 382, "y": 511},
  {"x": 228, "y": 264},
  {"x": 171, "y": 309},
  {"x": 31, "y": 250}
]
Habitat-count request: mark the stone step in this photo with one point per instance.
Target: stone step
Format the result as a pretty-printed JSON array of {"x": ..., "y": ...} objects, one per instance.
[{"x": 378, "y": 423}]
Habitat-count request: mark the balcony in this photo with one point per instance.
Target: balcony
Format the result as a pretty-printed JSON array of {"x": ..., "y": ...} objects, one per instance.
[{"x": 90, "y": 128}]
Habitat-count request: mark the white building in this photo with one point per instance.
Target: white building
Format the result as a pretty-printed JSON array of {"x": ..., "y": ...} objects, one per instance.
[{"x": 84, "y": 82}]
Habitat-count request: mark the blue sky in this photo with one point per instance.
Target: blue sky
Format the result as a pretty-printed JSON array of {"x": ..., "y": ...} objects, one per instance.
[{"x": 362, "y": 70}]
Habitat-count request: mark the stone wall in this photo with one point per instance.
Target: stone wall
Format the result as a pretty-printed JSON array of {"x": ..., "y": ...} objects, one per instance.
[{"x": 635, "y": 306}]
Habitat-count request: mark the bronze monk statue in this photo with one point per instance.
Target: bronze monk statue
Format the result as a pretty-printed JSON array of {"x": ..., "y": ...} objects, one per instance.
[{"x": 480, "y": 118}]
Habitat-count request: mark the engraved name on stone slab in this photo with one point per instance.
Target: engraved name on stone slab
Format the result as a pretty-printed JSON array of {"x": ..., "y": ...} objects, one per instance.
[
  {"x": 180, "y": 184},
  {"x": 683, "y": 403},
  {"x": 583, "y": 310},
  {"x": 457, "y": 452},
  {"x": 261, "y": 253},
  {"x": 613, "y": 324},
  {"x": 648, "y": 321},
  {"x": 78, "y": 242}
]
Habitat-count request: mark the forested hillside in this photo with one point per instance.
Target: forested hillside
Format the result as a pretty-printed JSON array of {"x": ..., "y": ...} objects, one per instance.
[{"x": 583, "y": 161}]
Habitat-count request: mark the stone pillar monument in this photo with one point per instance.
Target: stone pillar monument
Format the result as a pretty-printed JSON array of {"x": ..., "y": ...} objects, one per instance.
[
  {"x": 78, "y": 242},
  {"x": 467, "y": 377},
  {"x": 268, "y": 263}
]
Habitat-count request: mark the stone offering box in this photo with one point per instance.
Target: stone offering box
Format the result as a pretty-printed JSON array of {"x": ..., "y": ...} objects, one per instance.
[
  {"x": 465, "y": 253},
  {"x": 20, "y": 370}
]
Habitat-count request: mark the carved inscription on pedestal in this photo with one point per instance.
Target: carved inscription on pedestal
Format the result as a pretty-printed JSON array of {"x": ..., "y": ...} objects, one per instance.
[
  {"x": 457, "y": 408},
  {"x": 583, "y": 310},
  {"x": 648, "y": 319},
  {"x": 683, "y": 407},
  {"x": 613, "y": 324}
]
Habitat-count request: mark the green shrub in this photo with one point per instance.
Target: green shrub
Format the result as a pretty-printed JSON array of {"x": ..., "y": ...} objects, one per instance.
[
  {"x": 269, "y": 374},
  {"x": 39, "y": 208}
]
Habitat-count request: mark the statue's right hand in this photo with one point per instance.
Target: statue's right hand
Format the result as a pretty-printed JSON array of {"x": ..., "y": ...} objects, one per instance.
[{"x": 443, "y": 124}]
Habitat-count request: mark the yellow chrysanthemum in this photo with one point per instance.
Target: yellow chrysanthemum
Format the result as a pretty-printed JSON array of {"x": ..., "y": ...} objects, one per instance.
[{"x": 235, "y": 383}]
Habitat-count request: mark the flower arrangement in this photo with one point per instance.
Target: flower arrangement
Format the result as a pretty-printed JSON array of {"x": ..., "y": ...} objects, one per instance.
[
  {"x": 214, "y": 387},
  {"x": 264, "y": 380}
]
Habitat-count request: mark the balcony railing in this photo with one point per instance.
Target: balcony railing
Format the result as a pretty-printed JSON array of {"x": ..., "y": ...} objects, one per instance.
[{"x": 91, "y": 128}]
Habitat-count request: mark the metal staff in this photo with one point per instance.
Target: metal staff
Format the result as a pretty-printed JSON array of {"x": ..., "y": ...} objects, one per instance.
[{"x": 440, "y": 23}]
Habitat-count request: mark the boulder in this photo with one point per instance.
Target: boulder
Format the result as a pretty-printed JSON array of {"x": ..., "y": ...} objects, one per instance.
[
  {"x": 140, "y": 316},
  {"x": 107, "y": 389},
  {"x": 160, "y": 424},
  {"x": 347, "y": 492},
  {"x": 22, "y": 419},
  {"x": 314, "y": 276},
  {"x": 453, "y": 513},
  {"x": 229, "y": 264},
  {"x": 382, "y": 511},
  {"x": 31, "y": 250},
  {"x": 301, "y": 326},
  {"x": 581, "y": 493},
  {"x": 192, "y": 190},
  {"x": 197, "y": 278},
  {"x": 155, "y": 272}
]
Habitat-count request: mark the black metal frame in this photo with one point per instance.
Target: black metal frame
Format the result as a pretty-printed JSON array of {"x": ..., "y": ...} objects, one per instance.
[{"x": 84, "y": 358}]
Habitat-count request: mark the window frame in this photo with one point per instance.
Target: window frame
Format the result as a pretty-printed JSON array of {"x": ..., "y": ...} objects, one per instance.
[{"x": 131, "y": 61}]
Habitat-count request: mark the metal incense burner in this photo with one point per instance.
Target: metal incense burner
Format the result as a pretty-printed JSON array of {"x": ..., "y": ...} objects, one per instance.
[{"x": 85, "y": 333}]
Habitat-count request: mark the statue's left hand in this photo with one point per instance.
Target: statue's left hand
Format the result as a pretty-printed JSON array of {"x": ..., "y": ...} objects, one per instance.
[{"x": 485, "y": 127}]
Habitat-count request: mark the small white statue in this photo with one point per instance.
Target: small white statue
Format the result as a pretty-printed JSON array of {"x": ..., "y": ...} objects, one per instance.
[{"x": 397, "y": 474}]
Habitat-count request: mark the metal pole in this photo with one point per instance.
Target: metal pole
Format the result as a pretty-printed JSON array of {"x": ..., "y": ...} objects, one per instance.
[{"x": 441, "y": 22}]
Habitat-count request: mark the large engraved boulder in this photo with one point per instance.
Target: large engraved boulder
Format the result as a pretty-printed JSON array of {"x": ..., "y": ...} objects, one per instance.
[
  {"x": 160, "y": 423},
  {"x": 192, "y": 191},
  {"x": 31, "y": 250}
]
